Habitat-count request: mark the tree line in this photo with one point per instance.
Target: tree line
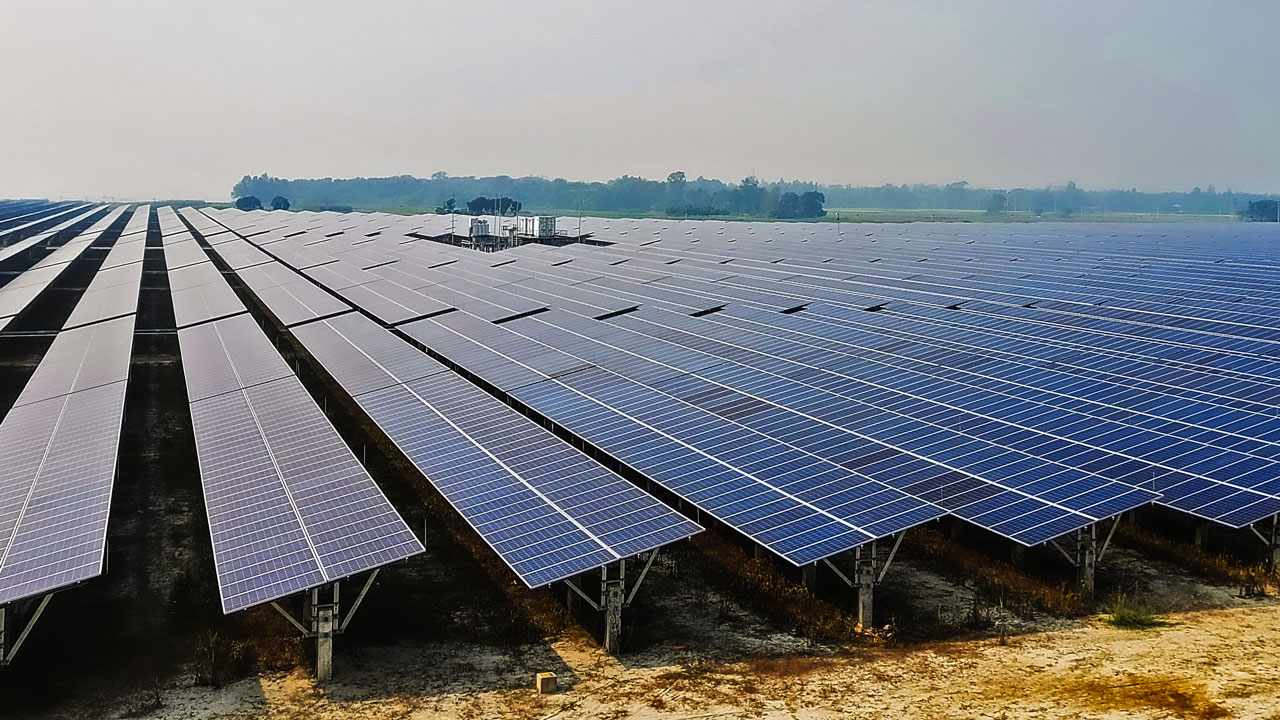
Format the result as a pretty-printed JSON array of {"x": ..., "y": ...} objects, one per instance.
[{"x": 679, "y": 195}]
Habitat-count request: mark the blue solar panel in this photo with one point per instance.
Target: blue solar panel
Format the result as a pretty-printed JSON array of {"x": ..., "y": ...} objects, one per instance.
[{"x": 289, "y": 505}]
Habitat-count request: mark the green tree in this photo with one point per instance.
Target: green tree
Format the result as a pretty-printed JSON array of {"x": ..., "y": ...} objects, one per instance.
[
  {"x": 998, "y": 203},
  {"x": 1262, "y": 211},
  {"x": 248, "y": 202},
  {"x": 811, "y": 203},
  {"x": 788, "y": 206},
  {"x": 279, "y": 202}
]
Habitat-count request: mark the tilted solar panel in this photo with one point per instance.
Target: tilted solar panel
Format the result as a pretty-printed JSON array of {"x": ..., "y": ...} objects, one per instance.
[{"x": 548, "y": 510}]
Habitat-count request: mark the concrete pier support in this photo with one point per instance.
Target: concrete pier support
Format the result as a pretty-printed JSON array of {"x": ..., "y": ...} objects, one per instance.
[
  {"x": 1086, "y": 557},
  {"x": 614, "y": 598},
  {"x": 324, "y": 644},
  {"x": 1201, "y": 534},
  {"x": 1018, "y": 555},
  {"x": 864, "y": 584},
  {"x": 324, "y": 625}
]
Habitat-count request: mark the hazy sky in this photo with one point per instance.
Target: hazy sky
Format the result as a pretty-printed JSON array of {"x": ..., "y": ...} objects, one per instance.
[{"x": 177, "y": 99}]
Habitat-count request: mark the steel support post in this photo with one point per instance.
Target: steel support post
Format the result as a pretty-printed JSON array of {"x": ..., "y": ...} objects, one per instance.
[
  {"x": 6, "y": 632},
  {"x": 11, "y": 617}
]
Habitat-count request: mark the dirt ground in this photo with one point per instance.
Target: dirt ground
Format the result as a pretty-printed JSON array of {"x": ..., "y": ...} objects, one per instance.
[
  {"x": 1220, "y": 663},
  {"x": 702, "y": 655}
]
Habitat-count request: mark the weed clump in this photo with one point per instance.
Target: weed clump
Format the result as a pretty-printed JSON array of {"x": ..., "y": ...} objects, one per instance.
[{"x": 1130, "y": 612}]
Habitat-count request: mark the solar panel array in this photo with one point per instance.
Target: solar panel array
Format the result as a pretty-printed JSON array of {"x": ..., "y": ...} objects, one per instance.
[
  {"x": 22, "y": 237},
  {"x": 290, "y": 507},
  {"x": 60, "y": 441},
  {"x": 1031, "y": 382},
  {"x": 549, "y": 511},
  {"x": 793, "y": 502},
  {"x": 21, "y": 291},
  {"x": 113, "y": 291}
]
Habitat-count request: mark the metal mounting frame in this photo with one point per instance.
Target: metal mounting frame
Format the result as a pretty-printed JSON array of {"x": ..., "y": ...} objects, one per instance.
[{"x": 10, "y": 617}]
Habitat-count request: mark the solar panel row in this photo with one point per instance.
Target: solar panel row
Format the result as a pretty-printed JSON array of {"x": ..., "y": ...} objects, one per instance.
[
  {"x": 59, "y": 443},
  {"x": 290, "y": 508},
  {"x": 549, "y": 511}
]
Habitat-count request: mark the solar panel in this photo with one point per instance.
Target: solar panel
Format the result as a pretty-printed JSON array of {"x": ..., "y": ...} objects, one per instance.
[
  {"x": 82, "y": 359},
  {"x": 55, "y": 489},
  {"x": 363, "y": 357},
  {"x": 289, "y": 506},
  {"x": 393, "y": 303},
  {"x": 239, "y": 254},
  {"x": 111, "y": 293},
  {"x": 226, "y": 355}
]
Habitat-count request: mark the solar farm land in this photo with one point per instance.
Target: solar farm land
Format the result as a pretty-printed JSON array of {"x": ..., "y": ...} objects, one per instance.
[{"x": 301, "y": 464}]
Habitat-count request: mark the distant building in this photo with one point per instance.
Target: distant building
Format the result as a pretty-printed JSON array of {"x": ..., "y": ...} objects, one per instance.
[{"x": 538, "y": 227}]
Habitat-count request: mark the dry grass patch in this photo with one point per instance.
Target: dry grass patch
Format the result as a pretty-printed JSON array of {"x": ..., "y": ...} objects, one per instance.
[
  {"x": 1252, "y": 579},
  {"x": 761, "y": 586},
  {"x": 994, "y": 581},
  {"x": 1180, "y": 697},
  {"x": 786, "y": 666},
  {"x": 697, "y": 686}
]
